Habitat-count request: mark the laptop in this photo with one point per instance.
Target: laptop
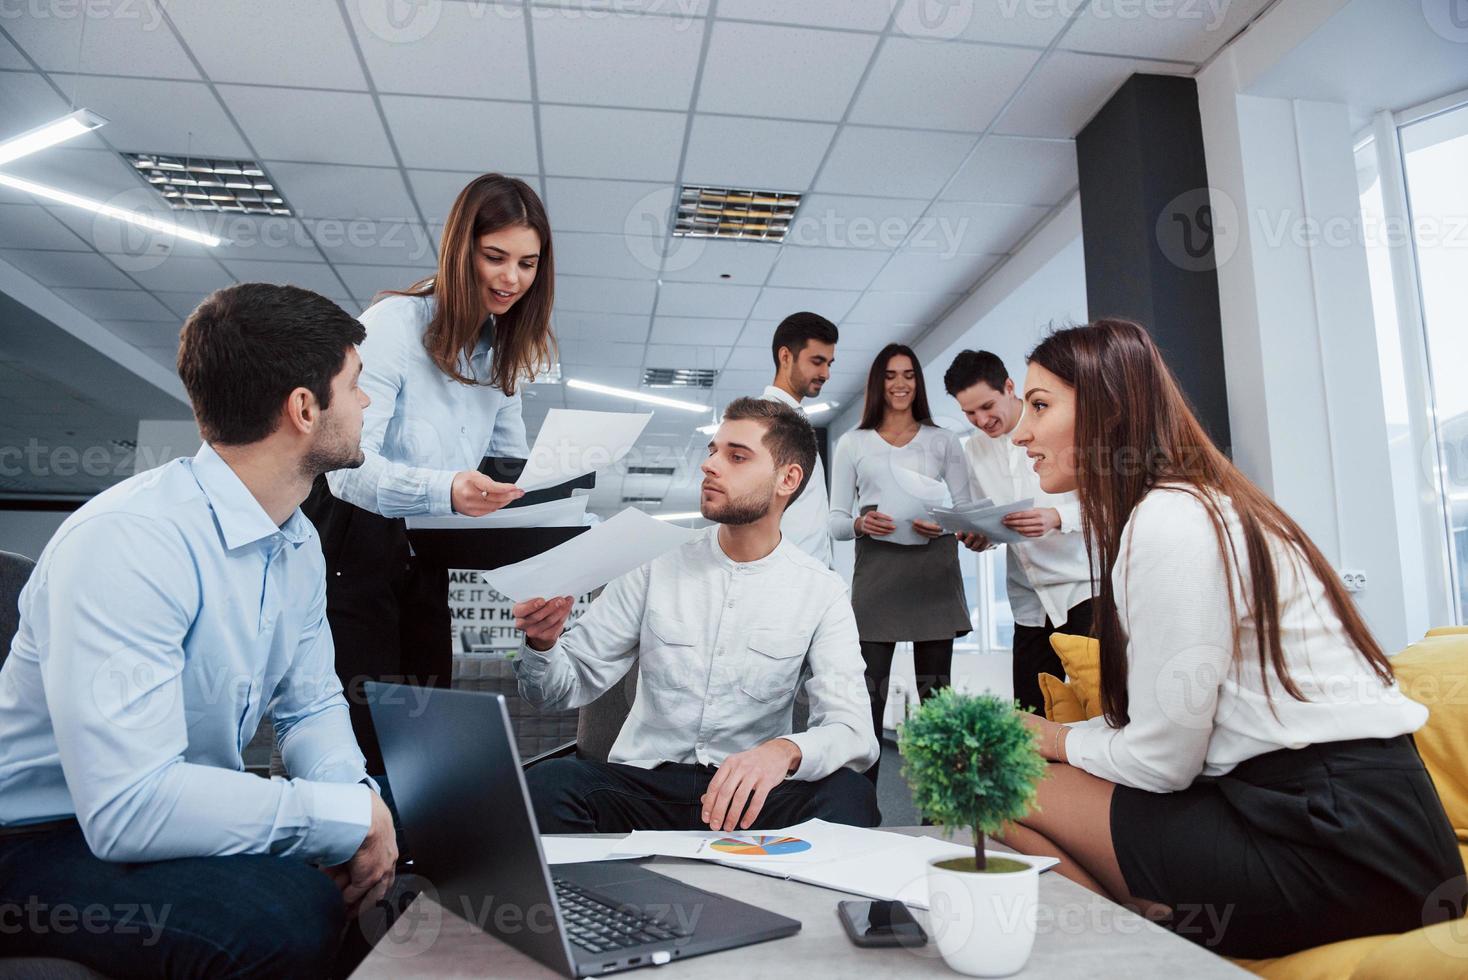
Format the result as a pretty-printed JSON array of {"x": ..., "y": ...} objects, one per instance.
[{"x": 466, "y": 815}]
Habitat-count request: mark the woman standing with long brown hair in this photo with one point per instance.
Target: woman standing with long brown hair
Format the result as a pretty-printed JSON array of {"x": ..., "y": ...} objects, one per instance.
[
  {"x": 909, "y": 591},
  {"x": 1252, "y": 778},
  {"x": 443, "y": 363}
]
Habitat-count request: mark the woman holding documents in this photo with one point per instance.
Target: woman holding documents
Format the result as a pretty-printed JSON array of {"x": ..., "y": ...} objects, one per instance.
[
  {"x": 907, "y": 584},
  {"x": 443, "y": 363}
]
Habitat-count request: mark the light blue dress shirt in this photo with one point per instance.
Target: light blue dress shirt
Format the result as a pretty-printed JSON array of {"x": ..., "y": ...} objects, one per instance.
[
  {"x": 161, "y": 622},
  {"x": 422, "y": 427}
]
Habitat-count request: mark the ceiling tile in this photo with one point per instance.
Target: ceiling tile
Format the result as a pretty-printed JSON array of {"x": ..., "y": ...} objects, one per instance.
[
  {"x": 97, "y": 174},
  {"x": 585, "y": 254},
  {"x": 953, "y": 227},
  {"x": 181, "y": 304},
  {"x": 1068, "y": 89},
  {"x": 270, "y": 42},
  {"x": 705, "y": 299},
  {"x": 436, "y": 191},
  {"x": 319, "y": 190},
  {"x": 1178, "y": 32},
  {"x": 610, "y": 206},
  {"x": 756, "y": 69},
  {"x": 316, "y": 277},
  {"x": 115, "y": 304},
  {"x": 995, "y": 21},
  {"x": 629, "y": 143},
  {"x": 937, "y": 273},
  {"x": 606, "y": 374},
  {"x": 193, "y": 123},
  {"x": 704, "y": 331},
  {"x": 686, "y": 356},
  {"x": 710, "y": 260},
  {"x": 486, "y": 136},
  {"x": 1017, "y": 171},
  {"x": 776, "y": 303},
  {"x": 253, "y": 237},
  {"x": 160, "y": 335},
  {"x": 132, "y": 41},
  {"x": 899, "y": 163},
  {"x": 366, "y": 281},
  {"x": 444, "y": 48},
  {"x": 28, "y": 101},
  {"x": 908, "y": 76},
  {"x": 310, "y": 126},
  {"x": 826, "y": 268},
  {"x": 578, "y": 352},
  {"x": 67, "y": 268},
  {"x": 863, "y": 15},
  {"x": 744, "y": 382},
  {"x": 765, "y": 154},
  {"x": 638, "y": 62},
  {"x": 873, "y": 336},
  {"x": 183, "y": 274},
  {"x": 751, "y": 359},
  {"x": 837, "y": 221},
  {"x": 593, "y": 295},
  {"x": 618, "y": 327},
  {"x": 10, "y": 56},
  {"x": 887, "y": 308},
  {"x": 405, "y": 244}
]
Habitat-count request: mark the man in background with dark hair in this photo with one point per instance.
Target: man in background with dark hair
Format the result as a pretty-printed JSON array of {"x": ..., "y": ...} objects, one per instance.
[
  {"x": 722, "y": 629},
  {"x": 804, "y": 347},
  {"x": 1048, "y": 575},
  {"x": 164, "y": 618}
]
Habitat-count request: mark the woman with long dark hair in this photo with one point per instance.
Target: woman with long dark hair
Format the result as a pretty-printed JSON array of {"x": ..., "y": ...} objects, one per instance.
[
  {"x": 443, "y": 362},
  {"x": 1252, "y": 779},
  {"x": 899, "y": 591}
]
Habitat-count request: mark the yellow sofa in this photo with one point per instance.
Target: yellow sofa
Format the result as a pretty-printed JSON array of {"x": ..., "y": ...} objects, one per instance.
[{"x": 1433, "y": 671}]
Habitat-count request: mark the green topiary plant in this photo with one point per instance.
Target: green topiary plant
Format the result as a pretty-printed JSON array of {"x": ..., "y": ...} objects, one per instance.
[{"x": 971, "y": 762}]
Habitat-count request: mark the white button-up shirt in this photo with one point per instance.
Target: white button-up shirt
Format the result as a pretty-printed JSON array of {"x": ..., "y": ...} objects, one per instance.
[
  {"x": 165, "y": 617},
  {"x": 1048, "y": 575},
  {"x": 721, "y": 646},
  {"x": 422, "y": 427},
  {"x": 805, "y": 520}
]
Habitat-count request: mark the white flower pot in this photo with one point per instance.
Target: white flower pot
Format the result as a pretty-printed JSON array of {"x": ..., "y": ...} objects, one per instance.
[{"x": 984, "y": 922}]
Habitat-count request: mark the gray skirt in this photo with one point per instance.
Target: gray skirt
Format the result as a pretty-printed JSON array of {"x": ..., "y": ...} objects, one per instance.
[{"x": 908, "y": 592}]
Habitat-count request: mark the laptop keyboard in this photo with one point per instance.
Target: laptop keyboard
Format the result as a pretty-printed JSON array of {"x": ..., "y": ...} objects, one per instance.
[{"x": 598, "y": 927}]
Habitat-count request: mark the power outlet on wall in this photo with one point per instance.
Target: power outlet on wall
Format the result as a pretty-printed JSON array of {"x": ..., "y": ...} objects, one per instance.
[{"x": 1354, "y": 578}]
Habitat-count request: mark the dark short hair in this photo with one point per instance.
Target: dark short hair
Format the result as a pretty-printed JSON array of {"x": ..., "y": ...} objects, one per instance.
[
  {"x": 246, "y": 347},
  {"x": 972, "y": 366},
  {"x": 799, "y": 329},
  {"x": 789, "y": 436}
]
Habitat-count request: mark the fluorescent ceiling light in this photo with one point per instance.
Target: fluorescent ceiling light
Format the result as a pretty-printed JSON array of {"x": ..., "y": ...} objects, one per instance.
[
  {"x": 636, "y": 396},
  {"x": 51, "y": 193},
  {"x": 687, "y": 516},
  {"x": 59, "y": 131}
]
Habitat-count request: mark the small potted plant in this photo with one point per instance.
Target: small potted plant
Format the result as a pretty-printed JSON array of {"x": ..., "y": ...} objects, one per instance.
[{"x": 972, "y": 762}]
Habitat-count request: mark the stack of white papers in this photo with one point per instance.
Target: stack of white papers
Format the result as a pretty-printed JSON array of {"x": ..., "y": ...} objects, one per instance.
[
  {"x": 872, "y": 863},
  {"x": 572, "y": 443},
  {"x": 984, "y": 518}
]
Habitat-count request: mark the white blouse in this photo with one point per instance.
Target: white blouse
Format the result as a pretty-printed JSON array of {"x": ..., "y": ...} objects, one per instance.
[
  {"x": 422, "y": 427},
  {"x": 1192, "y": 710},
  {"x": 862, "y": 456}
]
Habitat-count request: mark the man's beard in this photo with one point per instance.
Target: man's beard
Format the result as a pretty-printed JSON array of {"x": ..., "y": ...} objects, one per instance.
[
  {"x": 331, "y": 452},
  {"x": 737, "y": 511},
  {"x": 807, "y": 387}
]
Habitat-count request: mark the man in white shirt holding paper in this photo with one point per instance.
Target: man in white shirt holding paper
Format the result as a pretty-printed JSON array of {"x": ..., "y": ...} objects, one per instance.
[
  {"x": 1049, "y": 574},
  {"x": 804, "y": 347},
  {"x": 724, "y": 629}
]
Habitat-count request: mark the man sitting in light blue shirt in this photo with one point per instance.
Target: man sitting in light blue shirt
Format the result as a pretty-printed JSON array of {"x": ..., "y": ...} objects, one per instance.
[{"x": 165, "y": 617}]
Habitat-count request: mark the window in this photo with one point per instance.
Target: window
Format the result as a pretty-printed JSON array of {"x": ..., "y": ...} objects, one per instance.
[{"x": 983, "y": 585}]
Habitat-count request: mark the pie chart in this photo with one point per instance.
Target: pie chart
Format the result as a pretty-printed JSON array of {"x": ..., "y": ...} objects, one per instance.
[{"x": 760, "y": 845}]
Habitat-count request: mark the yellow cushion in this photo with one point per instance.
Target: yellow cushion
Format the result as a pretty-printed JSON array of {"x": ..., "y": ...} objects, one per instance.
[
  {"x": 1438, "y": 952},
  {"x": 1061, "y": 703},
  {"x": 1434, "y": 671},
  {"x": 1448, "y": 631},
  {"x": 1335, "y": 961},
  {"x": 1081, "y": 658}
]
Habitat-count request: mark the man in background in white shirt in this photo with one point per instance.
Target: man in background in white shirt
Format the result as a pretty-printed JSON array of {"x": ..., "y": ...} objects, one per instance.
[
  {"x": 804, "y": 347},
  {"x": 1049, "y": 575},
  {"x": 723, "y": 629}
]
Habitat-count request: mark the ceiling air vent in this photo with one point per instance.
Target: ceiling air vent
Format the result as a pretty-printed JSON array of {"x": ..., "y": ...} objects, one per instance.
[
  {"x": 679, "y": 377},
  {"x": 650, "y": 471},
  {"x": 653, "y": 501},
  {"x": 724, "y": 212},
  {"x": 205, "y": 184}
]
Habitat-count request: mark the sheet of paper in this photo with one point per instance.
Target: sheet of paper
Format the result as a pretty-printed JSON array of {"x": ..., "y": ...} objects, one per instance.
[
  {"x": 589, "y": 560},
  {"x": 906, "y": 495},
  {"x": 577, "y": 850},
  {"x": 572, "y": 443},
  {"x": 988, "y": 521},
  {"x": 812, "y": 842},
  {"x": 567, "y": 512}
]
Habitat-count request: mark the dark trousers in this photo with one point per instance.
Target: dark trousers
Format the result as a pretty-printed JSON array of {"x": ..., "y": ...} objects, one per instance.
[
  {"x": 248, "y": 915},
  {"x": 1034, "y": 656},
  {"x": 389, "y": 612},
  {"x": 581, "y": 796},
  {"x": 932, "y": 663}
]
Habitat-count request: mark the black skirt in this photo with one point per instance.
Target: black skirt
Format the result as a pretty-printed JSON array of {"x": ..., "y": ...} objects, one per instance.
[
  {"x": 1295, "y": 849},
  {"x": 908, "y": 592}
]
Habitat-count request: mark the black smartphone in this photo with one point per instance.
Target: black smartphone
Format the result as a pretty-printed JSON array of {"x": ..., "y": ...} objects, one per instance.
[{"x": 880, "y": 924}]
